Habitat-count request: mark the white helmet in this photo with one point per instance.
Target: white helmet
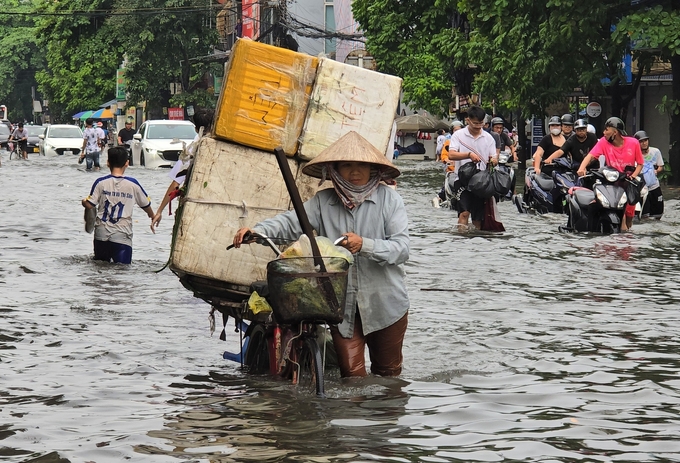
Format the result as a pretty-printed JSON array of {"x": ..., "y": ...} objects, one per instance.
[{"x": 591, "y": 128}]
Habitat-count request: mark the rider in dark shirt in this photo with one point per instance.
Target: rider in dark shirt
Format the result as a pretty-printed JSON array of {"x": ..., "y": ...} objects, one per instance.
[
  {"x": 577, "y": 146},
  {"x": 126, "y": 134}
]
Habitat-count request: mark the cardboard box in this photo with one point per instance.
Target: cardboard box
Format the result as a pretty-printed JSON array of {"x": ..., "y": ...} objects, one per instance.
[
  {"x": 264, "y": 97},
  {"x": 231, "y": 186},
  {"x": 347, "y": 98}
]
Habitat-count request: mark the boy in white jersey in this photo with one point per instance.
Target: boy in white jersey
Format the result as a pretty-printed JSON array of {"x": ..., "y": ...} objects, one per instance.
[{"x": 115, "y": 196}]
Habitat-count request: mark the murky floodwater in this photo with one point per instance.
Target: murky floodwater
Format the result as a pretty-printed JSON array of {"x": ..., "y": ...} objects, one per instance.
[{"x": 524, "y": 346}]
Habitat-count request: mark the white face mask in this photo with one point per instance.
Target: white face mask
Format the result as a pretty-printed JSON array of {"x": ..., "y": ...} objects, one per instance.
[{"x": 556, "y": 131}]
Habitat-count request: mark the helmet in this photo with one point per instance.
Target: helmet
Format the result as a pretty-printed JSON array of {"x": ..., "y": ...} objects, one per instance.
[
  {"x": 580, "y": 124},
  {"x": 496, "y": 121},
  {"x": 591, "y": 128},
  {"x": 641, "y": 135},
  {"x": 555, "y": 120},
  {"x": 617, "y": 124},
  {"x": 567, "y": 119}
]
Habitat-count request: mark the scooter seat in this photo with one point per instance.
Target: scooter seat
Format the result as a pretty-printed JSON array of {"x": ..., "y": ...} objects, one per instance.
[
  {"x": 544, "y": 182},
  {"x": 583, "y": 196}
]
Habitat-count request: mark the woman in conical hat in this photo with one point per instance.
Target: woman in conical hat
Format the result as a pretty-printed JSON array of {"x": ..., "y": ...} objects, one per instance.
[{"x": 372, "y": 218}]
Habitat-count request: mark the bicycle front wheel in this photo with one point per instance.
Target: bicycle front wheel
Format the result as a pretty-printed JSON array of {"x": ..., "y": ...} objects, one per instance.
[
  {"x": 310, "y": 366},
  {"x": 15, "y": 154}
]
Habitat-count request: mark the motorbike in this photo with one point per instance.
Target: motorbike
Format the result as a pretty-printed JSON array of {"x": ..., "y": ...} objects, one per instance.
[
  {"x": 505, "y": 164},
  {"x": 601, "y": 208},
  {"x": 546, "y": 192},
  {"x": 447, "y": 202}
]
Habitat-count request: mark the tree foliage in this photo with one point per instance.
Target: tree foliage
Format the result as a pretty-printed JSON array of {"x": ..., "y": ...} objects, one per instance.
[
  {"x": 656, "y": 31},
  {"x": 522, "y": 53},
  {"x": 155, "y": 38},
  {"x": 20, "y": 58}
]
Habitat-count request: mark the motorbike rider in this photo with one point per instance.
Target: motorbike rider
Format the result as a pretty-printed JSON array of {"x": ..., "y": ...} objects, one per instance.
[
  {"x": 567, "y": 125},
  {"x": 550, "y": 143},
  {"x": 576, "y": 147},
  {"x": 620, "y": 152},
  {"x": 125, "y": 136},
  {"x": 497, "y": 126},
  {"x": 653, "y": 206}
]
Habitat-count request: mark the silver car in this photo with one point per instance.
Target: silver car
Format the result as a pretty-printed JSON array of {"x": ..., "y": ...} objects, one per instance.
[
  {"x": 158, "y": 143},
  {"x": 60, "y": 139}
]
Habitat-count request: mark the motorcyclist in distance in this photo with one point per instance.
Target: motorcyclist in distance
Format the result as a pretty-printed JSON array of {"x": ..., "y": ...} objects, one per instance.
[
  {"x": 576, "y": 147},
  {"x": 567, "y": 125},
  {"x": 497, "y": 126},
  {"x": 550, "y": 143}
]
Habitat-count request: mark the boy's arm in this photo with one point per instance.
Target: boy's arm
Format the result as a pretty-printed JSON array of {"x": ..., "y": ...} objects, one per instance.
[{"x": 149, "y": 211}]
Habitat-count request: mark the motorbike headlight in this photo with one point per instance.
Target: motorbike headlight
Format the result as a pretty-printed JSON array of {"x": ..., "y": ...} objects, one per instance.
[
  {"x": 602, "y": 199},
  {"x": 623, "y": 200},
  {"x": 503, "y": 157},
  {"x": 611, "y": 175}
]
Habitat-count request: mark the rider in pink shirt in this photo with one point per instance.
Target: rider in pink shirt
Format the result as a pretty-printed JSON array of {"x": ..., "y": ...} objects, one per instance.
[{"x": 620, "y": 152}]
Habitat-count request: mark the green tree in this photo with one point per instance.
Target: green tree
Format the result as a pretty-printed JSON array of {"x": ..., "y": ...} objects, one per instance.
[
  {"x": 159, "y": 47},
  {"x": 523, "y": 54},
  {"x": 82, "y": 55},
  {"x": 657, "y": 31},
  {"x": 20, "y": 58}
]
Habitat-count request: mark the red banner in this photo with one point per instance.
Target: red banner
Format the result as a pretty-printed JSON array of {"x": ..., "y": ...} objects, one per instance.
[
  {"x": 251, "y": 19},
  {"x": 176, "y": 114}
]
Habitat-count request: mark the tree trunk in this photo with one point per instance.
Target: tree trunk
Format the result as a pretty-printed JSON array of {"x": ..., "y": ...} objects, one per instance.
[{"x": 674, "y": 128}]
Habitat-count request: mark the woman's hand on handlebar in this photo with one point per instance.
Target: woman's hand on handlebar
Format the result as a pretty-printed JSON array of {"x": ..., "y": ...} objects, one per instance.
[
  {"x": 581, "y": 172},
  {"x": 353, "y": 243},
  {"x": 243, "y": 235}
]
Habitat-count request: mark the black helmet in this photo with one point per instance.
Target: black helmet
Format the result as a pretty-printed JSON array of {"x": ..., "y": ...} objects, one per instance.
[
  {"x": 641, "y": 135},
  {"x": 581, "y": 124},
  {"x": 617, "y": 124},
  {"x": 496, "y": 121},
  {"x": 567, "y": 119},
  {"x": 555, "y": 120}
]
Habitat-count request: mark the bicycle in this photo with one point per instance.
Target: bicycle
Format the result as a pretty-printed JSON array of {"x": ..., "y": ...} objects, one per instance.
[
  {"x": 15, "y": 151},
  {"x": 285, "y": 342}
]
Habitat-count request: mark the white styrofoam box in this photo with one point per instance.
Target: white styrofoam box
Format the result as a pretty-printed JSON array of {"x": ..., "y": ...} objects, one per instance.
[
  {"x": 231, "y": 186},
  {"x": 346, "y": 98}
]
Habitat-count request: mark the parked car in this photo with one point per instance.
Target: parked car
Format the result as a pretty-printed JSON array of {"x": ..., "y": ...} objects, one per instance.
[
  {"x": 4, "y": 136},
  {"x": 34, "y": 132},
  {"x": 158, "y": 143},
  {"x": 60, "y": 139}
]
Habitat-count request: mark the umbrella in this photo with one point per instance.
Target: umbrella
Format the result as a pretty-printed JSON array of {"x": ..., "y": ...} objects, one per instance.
[
  {"x": 85, "y": 115},
  {"x": 420, "y": 122},
  {"x": 77, "y": 115},
  {"x": 102, "y": 114}
]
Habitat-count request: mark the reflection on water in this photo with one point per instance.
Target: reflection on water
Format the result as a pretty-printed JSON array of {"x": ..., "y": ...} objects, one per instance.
[{"x": 528, "y": 345}]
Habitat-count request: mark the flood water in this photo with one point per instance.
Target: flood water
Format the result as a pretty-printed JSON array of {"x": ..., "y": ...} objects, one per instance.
[{"x": 528, "y": 345}]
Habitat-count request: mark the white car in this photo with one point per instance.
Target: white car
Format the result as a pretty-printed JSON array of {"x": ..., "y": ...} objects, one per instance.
[
  {"x": 60, "y": 139},
  {"x": 159, "y": 142}
]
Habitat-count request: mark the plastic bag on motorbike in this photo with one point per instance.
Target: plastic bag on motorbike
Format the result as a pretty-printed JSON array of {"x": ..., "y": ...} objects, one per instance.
[
  {"x": 501, "y": 181},
  {"x": 634, "y": 189},
  {"x": 466, "y": 171},
  {"x": 481, "y": 185}
]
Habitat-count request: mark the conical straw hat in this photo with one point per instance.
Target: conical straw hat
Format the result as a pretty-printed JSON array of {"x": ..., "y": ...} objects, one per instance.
[{"x": 350, "y": 147}]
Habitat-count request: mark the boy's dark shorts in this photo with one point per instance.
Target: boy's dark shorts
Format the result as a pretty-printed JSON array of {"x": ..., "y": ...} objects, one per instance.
[
  {"x": 109, "y": 251},
  {"x": 469, "y": 202}
]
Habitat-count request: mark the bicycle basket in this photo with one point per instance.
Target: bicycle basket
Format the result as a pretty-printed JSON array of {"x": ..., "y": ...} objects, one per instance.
[{"x": 296, "y": 291}]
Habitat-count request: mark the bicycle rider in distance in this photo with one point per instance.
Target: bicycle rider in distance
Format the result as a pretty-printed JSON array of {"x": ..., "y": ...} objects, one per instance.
[{"x": 20, "y": 135}]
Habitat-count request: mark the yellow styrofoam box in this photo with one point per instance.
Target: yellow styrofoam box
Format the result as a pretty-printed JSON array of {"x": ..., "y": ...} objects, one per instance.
[
  {"x": 264, "y": 96},
  {"x": 347, "y": 98}
]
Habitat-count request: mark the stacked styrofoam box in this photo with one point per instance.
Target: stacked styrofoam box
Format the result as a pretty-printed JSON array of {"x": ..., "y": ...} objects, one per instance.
[
  {"x": 346, "y": 98},
  {"x": 231, "y": 186},
  {"x": 265, "y": 103}
]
